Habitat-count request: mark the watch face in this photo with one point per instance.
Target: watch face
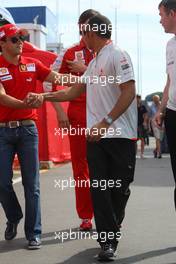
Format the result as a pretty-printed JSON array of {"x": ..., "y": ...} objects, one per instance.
[{"x": 109, "y": 120}]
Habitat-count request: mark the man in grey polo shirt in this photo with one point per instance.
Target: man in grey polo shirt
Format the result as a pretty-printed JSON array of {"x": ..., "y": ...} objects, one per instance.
[
  {"x": 111, "y": 128},
  {"x": 167, "y": 110}
]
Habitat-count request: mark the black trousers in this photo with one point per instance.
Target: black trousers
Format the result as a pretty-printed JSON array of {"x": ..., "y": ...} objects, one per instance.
[
  {"x": 170, "y": 125},
  {"x": 111, "y": 164}
]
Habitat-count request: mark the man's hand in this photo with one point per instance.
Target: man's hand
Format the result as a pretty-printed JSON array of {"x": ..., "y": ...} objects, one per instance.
[
  {"x": 63, "y": 120},
  {"x": 158, "y": 119},
  {"x": 97, "y": 132},
  {"x": 34, "y": 100},
  {"x": 76, "y": 66}
]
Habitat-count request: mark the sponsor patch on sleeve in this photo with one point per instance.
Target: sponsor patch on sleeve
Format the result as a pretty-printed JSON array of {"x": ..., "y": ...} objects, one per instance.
[
  {"x": 125, "y": 66},
  {"x": 4, "y": 71},
  {"x": 6, "y": 78}
]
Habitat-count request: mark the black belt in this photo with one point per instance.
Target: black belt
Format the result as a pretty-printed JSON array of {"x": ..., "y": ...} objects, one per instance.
[{"x": 15, "y": 124}]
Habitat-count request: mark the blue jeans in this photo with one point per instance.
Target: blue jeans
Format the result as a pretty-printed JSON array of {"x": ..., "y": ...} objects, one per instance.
[{"x": 22, "y": 141}]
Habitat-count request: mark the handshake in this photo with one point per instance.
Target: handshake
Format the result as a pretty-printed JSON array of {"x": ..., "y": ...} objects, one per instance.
[{"x": 34, "y": 100}]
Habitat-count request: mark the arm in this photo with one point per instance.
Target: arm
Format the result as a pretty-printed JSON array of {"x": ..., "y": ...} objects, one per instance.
[
  {"x": 76, "y": 66},
  {"x": 66, "y": 94},
  {"x": 62, "y": 79},
  {"x": 10, "y": 101},
  {"x": 122, "y": 104},
  {"x": 165, "y": 96},
  {"x": 60, "y": 65},
  {"x": 160, "y": 113},
  {"x": 65, "y": 66},
  {"x": 62, "y": 117},
  {"x": 59, "y": 96},
  {"x": 124, "y": 101}
]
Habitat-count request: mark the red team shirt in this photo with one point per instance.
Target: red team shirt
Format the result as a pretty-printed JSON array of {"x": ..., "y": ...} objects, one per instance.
[
  {"x": 17, "y": 81},
  {"x": 79, "y": 52}
]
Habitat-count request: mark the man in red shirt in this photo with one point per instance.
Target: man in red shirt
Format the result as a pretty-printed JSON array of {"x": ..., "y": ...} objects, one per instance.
[
  {"x": 18, "y": 132},
  {"x": 75, "y": 61}
]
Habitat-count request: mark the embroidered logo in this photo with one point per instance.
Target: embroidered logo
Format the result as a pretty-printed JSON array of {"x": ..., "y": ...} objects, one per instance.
[
  {"x": 4, "y": 71},
  {"x": 22, "y": 68},
  {"x": 6, "y": 78}
]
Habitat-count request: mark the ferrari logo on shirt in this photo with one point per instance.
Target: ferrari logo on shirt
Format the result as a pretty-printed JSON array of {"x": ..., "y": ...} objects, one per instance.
[
  {"x": 22, "y": 68},
  {"x": 79, "y": 56},
  {"x": 30, "y": 67},
  {"x": 4, "y": 71}
]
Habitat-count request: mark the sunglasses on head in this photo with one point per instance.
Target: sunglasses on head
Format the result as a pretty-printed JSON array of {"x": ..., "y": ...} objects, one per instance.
[{"x": 14, "y": 40}]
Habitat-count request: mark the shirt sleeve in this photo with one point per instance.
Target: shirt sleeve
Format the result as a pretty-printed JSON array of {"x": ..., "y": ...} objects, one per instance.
[
  {"x": 42, "y": 71},
  {"x": 63, "y": 65},
  {"x": 123, "y": 66},
  {"x": 167, "y": 55},
  {"x": 56, "y": 66}
]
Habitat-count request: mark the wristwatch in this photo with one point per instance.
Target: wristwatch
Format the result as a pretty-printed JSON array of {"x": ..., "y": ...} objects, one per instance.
[{"x": 107, "y": 119}]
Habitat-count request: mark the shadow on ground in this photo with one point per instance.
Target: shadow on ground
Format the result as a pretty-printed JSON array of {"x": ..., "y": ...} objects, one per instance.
[{"x": 89, "y": 257}]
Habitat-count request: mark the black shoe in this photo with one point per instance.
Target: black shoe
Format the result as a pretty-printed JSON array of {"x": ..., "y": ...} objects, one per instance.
[
  {"x": 11, "y": 230},
  {"x": 34, "y": 243},
  {"x": 107, "y": 252}
]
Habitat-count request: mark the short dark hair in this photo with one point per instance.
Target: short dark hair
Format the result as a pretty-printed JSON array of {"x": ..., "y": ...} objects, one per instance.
[
  {"x": 168, "y": 5},
  {"x": 86, "y": 15},
  {"x": 101, "y": 25}
]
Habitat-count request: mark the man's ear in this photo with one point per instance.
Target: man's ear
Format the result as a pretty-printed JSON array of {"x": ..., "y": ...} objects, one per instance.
[{"x": 173, "y": 13}]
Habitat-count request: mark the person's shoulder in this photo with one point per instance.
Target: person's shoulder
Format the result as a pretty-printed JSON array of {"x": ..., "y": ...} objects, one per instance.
[
  {"x": 171, "y": 41},
  {"x": 69, "y": 52},
  {"x": 118, "y": 49},
  {"x": 75, "y": 47},
  {"x": 25, "y": 59},
  {"x": 119, "y": 52}
]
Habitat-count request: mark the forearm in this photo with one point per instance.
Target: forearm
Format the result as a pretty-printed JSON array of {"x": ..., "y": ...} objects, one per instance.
[
  {"x": 124, "y": 101},
  {"x": 68, "y": 94},
  {"x": 62, "y": 79},
  {"x": 145, "y": 119},
  {"x": 12, "y": 102},
  {"x": 165, "y": 97}
]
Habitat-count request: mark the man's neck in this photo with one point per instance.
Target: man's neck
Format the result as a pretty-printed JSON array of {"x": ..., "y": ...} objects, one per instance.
[
  {"x": 11, "y": 59},
  {"x": 101, "y": 44}
]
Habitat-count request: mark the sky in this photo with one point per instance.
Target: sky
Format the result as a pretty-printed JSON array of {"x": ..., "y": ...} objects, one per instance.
[{"x": 138, "y": 32}]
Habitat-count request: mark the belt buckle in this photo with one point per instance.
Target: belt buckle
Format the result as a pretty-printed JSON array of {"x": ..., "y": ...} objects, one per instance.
[{"x": 13, "y": 124}]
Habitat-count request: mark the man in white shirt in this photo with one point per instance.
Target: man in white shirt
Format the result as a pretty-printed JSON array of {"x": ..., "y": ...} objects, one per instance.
[
  {"x": 167, "y": 111},
  {"x": 111, "y": 129}
]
